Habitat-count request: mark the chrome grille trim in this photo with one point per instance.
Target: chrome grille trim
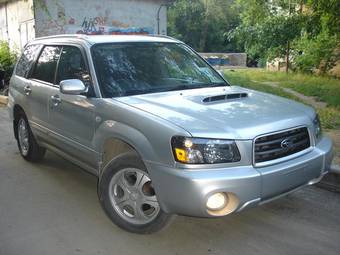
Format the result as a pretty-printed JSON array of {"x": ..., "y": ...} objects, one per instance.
[{"x": 267, "y": 148}]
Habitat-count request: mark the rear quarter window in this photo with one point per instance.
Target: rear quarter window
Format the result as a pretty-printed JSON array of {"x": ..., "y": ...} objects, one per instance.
[{"x": 26, "y": 60}]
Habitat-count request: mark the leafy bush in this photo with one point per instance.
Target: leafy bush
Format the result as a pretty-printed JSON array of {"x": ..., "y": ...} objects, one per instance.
[
  {"x": 7, "y": 59},
  {"x": 316, "y": 52}
]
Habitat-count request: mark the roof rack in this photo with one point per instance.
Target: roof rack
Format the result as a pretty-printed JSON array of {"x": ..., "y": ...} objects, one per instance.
[
  {"x": 77, "y": 36},
  {"x": 87, "y": 38},
  {"x": 163, "y": 36}
]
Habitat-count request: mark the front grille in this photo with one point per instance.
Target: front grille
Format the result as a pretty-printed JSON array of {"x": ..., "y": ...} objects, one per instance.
[{"x": 280, "y": 145}]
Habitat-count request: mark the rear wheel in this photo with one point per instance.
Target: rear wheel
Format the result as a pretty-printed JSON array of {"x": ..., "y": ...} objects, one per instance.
[
  {"x": 128, "y": 197},
  {"x": 28, "y": 146}
]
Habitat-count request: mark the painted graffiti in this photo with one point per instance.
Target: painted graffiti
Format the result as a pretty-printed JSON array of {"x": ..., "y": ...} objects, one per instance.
[
  {"x": 93, "y": 25},
  {"x": 98, "y": 26},
  {"x": 61, "y": 21}
]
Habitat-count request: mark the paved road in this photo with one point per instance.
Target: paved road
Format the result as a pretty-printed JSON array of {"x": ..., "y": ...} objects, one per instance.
[{"x": 52, "y": 208}]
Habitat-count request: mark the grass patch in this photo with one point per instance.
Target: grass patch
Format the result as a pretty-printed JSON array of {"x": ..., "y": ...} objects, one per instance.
[
  {"x": 329, "y": 117},
  {"x": 242, "y": 79},
  {"x": 324, "y": 89}
]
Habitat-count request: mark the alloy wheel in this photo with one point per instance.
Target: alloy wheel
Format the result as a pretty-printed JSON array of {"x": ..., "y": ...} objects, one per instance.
[
  {"x": 133, "y": 197},
  {"x": 23, "y": 137}
]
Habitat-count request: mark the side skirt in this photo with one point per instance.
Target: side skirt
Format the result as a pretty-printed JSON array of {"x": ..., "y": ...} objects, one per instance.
[{"x": 68, "y": 157}]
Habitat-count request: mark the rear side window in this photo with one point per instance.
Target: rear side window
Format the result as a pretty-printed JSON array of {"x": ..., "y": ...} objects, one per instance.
[
  {"x": 47, "y": 63},
  {"x": 26, "y": 60}
]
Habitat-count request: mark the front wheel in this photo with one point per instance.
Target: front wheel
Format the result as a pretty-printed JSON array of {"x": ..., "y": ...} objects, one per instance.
[{"x": 128, "y": 197}]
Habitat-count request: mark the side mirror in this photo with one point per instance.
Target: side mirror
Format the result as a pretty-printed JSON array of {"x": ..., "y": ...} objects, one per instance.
[{"x": 72, "y": 87}]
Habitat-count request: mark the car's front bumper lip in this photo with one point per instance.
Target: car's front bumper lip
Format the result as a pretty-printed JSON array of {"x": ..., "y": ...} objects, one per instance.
[{"x": 185, "y": 192}]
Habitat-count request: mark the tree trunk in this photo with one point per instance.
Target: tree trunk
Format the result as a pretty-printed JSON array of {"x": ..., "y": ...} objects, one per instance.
[
  {"x": 301, "y": 6},
  {"x": 203, "y": 39},
  {"x": 287, "y": 56}
]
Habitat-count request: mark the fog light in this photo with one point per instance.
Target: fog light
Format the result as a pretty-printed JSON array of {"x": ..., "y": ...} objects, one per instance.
[{"x": 217, "y": 201}]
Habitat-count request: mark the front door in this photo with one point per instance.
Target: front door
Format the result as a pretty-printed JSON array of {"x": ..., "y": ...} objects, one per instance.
[{"x": 72, "y": 117}]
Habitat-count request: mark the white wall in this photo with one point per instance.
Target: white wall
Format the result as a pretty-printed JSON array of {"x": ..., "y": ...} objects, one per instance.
[
  {"x": 103, "y": 17},
  {"x": 17, "y": 23}
]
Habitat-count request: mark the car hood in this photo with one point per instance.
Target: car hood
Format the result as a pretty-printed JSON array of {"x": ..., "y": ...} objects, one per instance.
[{"x": 239, "y": 118}]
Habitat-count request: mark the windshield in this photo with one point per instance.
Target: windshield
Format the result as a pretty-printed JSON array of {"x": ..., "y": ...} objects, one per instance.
[{"x": 126, "y": 69}]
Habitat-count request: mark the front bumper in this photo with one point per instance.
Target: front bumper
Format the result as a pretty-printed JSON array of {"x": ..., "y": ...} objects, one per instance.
[{"x": 185, "y": 192}]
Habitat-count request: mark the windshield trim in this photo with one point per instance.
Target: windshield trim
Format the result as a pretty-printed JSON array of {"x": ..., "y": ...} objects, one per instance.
[
  {"x": 178, "y": 88},
  {"x": 207, "y": 85}
]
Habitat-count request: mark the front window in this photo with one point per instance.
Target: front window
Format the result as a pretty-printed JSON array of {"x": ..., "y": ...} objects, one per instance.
[
  {"x": 72, "y": 66},
  {"x": 47, "y": 64},
  {"x": 126, "y": 69}
]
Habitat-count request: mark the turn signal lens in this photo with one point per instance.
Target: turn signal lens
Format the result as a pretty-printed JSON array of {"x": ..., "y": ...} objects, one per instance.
[{"x": 181, "y": 155}]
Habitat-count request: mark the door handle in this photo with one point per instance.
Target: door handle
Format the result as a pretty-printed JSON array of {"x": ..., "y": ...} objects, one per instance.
[
  {"x": 27, "y": 90},
  {"x": 56, "y": 100}
]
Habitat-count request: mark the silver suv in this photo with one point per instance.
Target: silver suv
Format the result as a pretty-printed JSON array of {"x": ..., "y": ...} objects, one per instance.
[{"x": 162, "y": 130}]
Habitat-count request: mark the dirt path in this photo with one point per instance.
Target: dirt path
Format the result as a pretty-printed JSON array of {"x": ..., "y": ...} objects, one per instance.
[{"x": 307, "y": 99}]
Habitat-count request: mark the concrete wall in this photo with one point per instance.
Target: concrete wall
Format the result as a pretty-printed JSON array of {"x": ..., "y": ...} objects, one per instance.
[
  {"x": 227, "y": 59},
  {"x": 277, "y": 64},
  {"x": 23, "y": 20},
  {"x": 98, "y": 17},
  {"x": 17, "y": 22}
]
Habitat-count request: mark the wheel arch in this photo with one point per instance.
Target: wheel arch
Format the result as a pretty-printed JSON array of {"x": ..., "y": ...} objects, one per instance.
[
  {"x": 113, "y": 147},
  {"x": 114, "y": 138}
]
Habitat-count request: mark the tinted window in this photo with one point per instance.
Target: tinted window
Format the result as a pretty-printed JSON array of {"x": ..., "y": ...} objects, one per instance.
[
  {"x": 47, "y": 63},
  {"x": 139, "y": 68},
  {"x": 26, "y": 60},
  {"x": 72, "y": 65}
]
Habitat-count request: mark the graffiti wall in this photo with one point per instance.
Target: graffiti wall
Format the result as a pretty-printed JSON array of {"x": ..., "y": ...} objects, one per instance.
[{"x": 98, "y": 17}]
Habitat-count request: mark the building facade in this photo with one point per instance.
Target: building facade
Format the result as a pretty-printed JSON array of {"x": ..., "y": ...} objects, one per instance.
[{"x": 23, "y": 20}]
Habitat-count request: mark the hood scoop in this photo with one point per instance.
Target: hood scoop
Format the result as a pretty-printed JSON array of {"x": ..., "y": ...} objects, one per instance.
[{"x": 224, "y": 97}]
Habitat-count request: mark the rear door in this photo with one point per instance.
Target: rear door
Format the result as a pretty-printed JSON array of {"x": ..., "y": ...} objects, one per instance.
[
  {"x": 71, "y": 117},
  {"x": 20, "y": 85},
  {"x": 38, "y": 88}
]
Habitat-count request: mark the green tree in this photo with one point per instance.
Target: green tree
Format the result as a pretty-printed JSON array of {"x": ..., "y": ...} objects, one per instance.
[
  {"x": 268, "y": 28},
  {"x": 306, "y": 31},
  {"x": 319, "y": 45},
  {"x": 203, "y": 24}
]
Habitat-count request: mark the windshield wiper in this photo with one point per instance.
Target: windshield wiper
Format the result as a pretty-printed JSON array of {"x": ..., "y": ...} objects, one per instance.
[
  {"x": 217, "y": 84},
  {"x": 180, "y": 87}
]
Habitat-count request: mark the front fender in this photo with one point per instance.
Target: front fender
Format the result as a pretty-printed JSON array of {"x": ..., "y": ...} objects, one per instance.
[{"x": 113, "y": 129}]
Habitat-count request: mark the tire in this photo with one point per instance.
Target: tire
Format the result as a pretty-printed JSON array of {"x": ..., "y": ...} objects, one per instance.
[
  {"x": 127, "y": 197},
  {"x": 28, "y": 146}
]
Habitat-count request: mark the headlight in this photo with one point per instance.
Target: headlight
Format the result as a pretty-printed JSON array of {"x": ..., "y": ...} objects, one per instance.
[
  {"x": 317, "y": 127},
  {"x": 204, "y": 151}
]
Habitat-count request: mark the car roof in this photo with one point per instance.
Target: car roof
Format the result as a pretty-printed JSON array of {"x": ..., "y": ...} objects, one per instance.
[{"x": 94, "y": 39}]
